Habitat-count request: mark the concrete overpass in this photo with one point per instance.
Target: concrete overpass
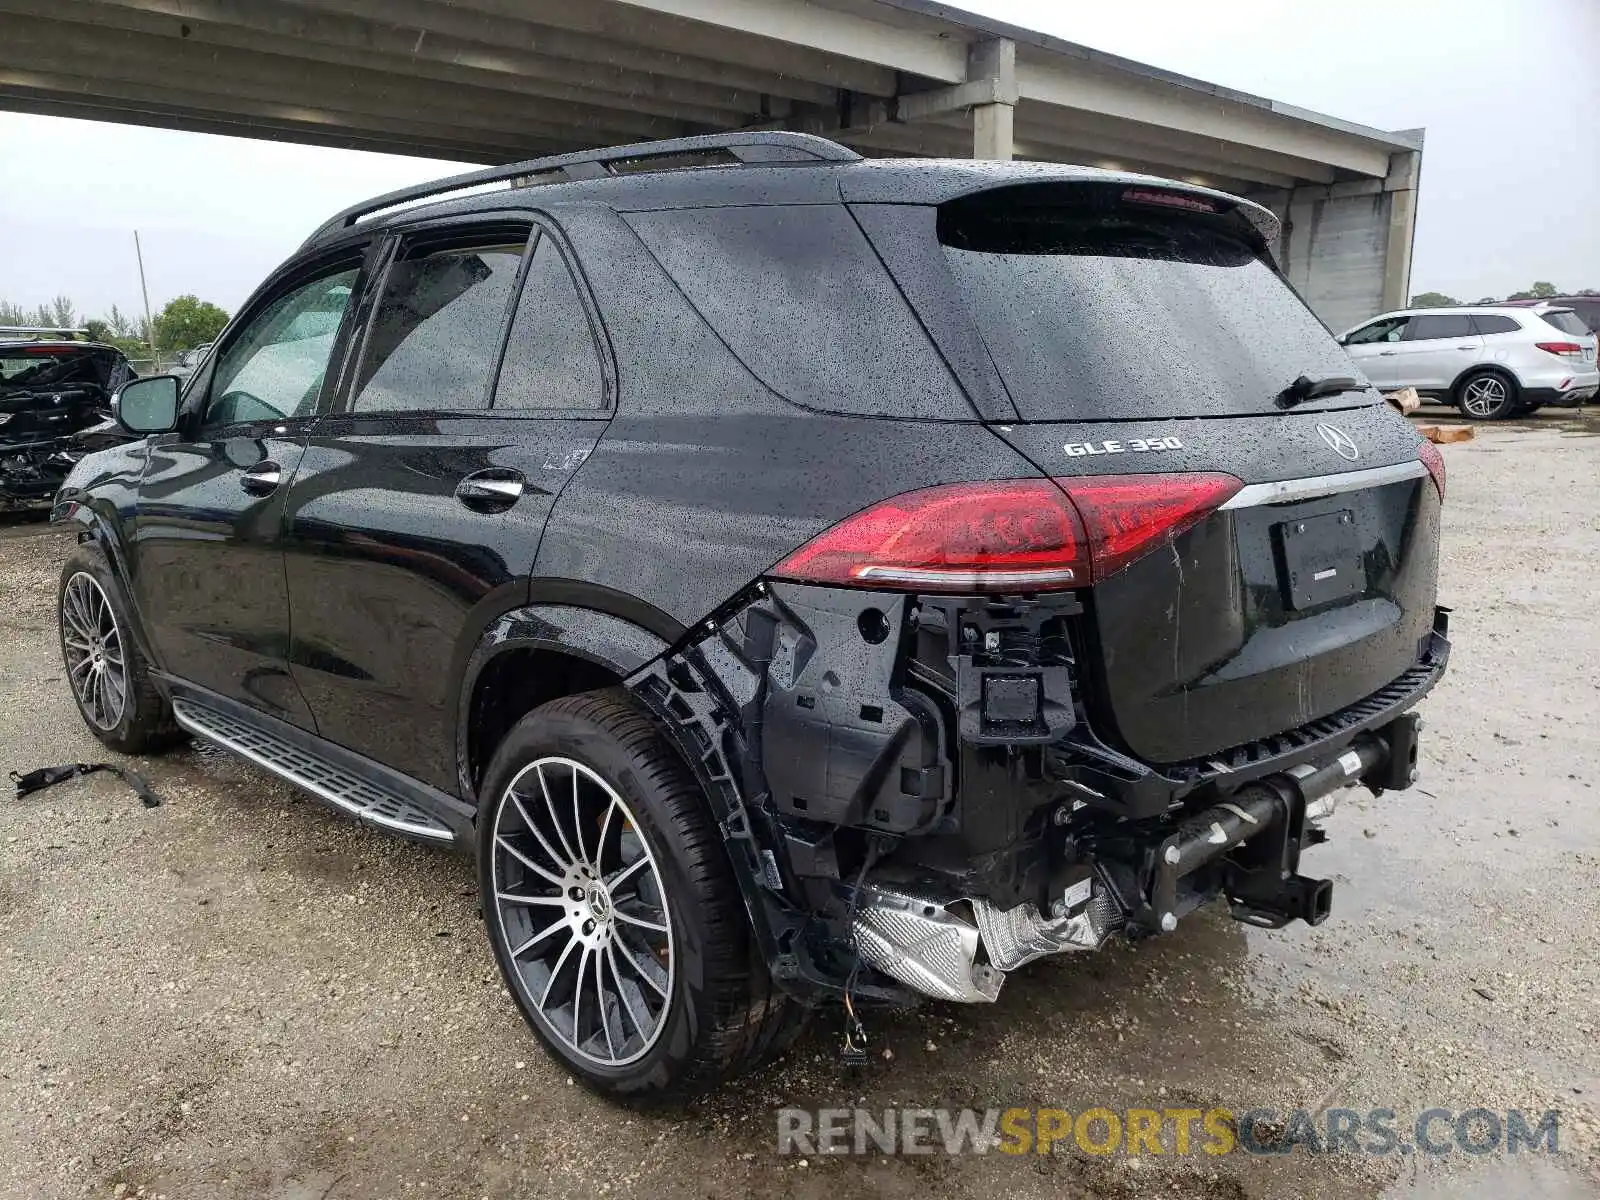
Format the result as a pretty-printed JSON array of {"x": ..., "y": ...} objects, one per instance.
[{"x": 499, "y": 80}]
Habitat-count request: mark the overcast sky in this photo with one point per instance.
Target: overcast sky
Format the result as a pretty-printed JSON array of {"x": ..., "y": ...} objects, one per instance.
[{"x": 1508, "y": 90}]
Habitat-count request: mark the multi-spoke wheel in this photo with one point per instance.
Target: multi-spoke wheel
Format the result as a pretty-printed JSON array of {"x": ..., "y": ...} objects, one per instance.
[
  {"x": 612, "y": 907},
  {"x": 107, "y": 673},
  {"x": 1487, "y": 396},
  {"x": 580, "y": 900},
  {"x": 92, "y": 646}
]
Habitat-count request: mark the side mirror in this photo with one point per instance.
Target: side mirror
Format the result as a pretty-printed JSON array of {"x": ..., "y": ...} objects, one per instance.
[
  {"x": 1344, "y": 339},
  {"x": 148, "y": 405}
]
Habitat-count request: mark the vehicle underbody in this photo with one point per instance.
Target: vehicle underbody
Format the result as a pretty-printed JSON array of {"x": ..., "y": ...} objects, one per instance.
[{"x": 916, "y": 783}]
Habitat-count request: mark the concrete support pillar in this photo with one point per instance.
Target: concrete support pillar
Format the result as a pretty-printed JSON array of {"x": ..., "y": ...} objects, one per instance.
[
  {"x": 994, "y": 63},
  {"x": 1405, "y": 169}
]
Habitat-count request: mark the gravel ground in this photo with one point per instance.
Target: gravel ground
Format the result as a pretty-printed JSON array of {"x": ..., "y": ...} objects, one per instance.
[{"x": 239, "y": 994}]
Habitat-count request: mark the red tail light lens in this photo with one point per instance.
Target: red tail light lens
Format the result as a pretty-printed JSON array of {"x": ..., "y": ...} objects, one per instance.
[
  {"x": 1434, "y": 461},
  {"x": 1020, "y": 535},
  {"x": 1564, "y": 349},
  {"x": 1128, "y": 516},
  {"x": 1011, "y": 535}
]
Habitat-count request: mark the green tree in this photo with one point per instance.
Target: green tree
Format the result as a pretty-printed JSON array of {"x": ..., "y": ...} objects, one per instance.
[
  {"x": 1541, "y": 290},
  {"x": 97, "y": 329},
  {"x": 12, "y": 314},
  {"x": 121, "y": 323},
  {"x": 187, "y": 322},
  {"x": 1433, "y": 300}
]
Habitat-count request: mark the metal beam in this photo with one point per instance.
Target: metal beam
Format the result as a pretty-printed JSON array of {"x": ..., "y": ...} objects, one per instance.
[
  {"x": 801, "y": 23},
  {"x": 268, "y": 28},
  {"x": 365, "y": 96},
  {"x": 1094, "y": 91},
  {"x": 173, "y": 108}
]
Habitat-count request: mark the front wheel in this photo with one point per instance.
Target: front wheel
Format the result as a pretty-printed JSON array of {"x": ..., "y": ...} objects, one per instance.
[
  {"x": 110, "y": 678},
  {"x": 612, "y": 908},
  {"x": 1487, "y": 396}
]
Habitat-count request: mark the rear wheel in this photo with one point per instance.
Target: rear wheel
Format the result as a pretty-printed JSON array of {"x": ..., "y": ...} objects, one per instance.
[
  {"x": 110, "y": 678},
  {"x": 1487, "y": 396},
  {"x": 612, "y": 909}
]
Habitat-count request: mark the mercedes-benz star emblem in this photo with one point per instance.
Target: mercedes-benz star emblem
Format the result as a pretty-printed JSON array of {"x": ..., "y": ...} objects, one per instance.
[{"x": 1339, "y": 442}]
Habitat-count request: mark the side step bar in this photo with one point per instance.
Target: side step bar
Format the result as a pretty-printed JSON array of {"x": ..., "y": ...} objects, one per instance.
[{"x": 334, "y": 785}]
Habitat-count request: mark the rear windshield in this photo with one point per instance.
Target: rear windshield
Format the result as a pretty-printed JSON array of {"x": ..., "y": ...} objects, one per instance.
[
  {"x": 1566, "y": 321},
  {"x": 1116, "y": 311}
]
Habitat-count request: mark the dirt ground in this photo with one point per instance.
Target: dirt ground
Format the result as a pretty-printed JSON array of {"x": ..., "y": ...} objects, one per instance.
[{"x": 239, "y": 994}]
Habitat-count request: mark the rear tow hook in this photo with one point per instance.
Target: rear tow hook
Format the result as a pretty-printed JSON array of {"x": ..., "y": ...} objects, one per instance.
[{"x": 1259, "y": 832}]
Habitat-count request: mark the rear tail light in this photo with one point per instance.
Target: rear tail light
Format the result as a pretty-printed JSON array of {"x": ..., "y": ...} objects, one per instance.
[
  {"x": 1128, "y": 516},
  {"x": 1019, "y": 535},
  {"x": 1564, "y": 349},
  {"x": 1434, "y": 461}
]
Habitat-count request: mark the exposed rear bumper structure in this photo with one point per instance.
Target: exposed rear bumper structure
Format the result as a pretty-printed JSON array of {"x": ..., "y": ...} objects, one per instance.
[
  {"x": 959, "y": 949},
  {"x": 914, "y": 784}
]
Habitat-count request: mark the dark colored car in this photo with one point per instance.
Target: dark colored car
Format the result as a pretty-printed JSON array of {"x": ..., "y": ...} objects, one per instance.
[
  {"x": 50, "y": 391},
  {"x": 801, "y": 580}
]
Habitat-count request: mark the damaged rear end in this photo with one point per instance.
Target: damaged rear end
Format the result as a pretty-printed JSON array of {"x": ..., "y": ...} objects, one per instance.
[{"x": 979, "y": 722}]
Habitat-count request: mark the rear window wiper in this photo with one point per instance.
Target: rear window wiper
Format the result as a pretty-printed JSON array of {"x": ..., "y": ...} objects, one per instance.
[{"x": 1306, "y": 388}]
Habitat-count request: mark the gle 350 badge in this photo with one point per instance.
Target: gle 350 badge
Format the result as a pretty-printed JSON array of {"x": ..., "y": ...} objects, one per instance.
[{"x": 1131, "y": 446}]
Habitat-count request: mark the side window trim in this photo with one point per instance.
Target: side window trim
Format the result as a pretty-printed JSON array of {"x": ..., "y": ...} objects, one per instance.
[
  {"x": 196, "y": 400},
  {"x": 395, "y": 243},
  {"x": 544, "y": 228}
]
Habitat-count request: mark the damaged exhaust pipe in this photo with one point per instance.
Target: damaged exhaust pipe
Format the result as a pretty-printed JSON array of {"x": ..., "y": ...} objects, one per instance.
[{"x": 960, "y": 949}]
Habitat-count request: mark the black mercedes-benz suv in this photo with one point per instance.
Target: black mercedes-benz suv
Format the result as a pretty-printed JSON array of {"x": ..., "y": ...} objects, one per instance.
[{"x": 801, "y": 580}]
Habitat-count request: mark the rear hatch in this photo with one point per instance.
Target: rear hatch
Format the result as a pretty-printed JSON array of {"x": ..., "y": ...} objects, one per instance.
[{"x": 1142, "y": 330}]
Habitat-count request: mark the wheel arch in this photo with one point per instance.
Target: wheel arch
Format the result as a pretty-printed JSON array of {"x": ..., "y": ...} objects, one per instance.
[
  {"x": 530, "y": 656},
  {"x": 96, "y": 527}
]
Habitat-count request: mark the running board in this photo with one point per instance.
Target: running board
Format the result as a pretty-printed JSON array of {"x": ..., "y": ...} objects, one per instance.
[{"x": 335, "y": 785}]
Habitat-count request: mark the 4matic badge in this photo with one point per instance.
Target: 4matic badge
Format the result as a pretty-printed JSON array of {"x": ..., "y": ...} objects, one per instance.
[{"x": 1131, "y": 446}]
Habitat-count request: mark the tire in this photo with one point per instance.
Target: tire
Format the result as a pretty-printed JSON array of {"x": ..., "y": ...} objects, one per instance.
[
  {"x": 1487, "y": 396},
  {"x": 108, "y": 674},
  {"x": 593, "y": 820}
]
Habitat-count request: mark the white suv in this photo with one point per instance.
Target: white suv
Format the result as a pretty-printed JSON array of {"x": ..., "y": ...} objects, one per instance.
[{"x": 1492, "y": 361}]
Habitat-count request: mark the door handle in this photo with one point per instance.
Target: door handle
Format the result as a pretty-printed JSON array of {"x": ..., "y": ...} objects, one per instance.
[
  {"x": 262, "y": 479},
  {"x": 1386, "y": 353},
  {"x": 492, "y": 490}
]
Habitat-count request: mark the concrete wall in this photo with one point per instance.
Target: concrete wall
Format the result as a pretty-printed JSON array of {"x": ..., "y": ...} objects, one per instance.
[{"x": 1347, "y": 246}]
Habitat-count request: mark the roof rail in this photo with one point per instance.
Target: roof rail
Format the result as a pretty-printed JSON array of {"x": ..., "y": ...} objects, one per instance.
[{"x": 718, "y": 149}]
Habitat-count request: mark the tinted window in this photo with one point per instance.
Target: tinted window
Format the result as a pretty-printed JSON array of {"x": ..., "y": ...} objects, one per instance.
[
  {"x": 798, "y": 294},
  {"x": 1379, "y": 331},
  {"x": 435, "y": 334},
  {"x": 551, "y": 360},
  {"x": 274, "y": 368},
  {"x": 1431, "y": 328},
  {"x": 1487, "y": 323},
  {"x": 1567, "y": 322},
  {"x": 1105, "y": 311}
]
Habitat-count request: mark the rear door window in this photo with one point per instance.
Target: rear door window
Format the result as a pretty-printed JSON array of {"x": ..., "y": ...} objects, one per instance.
[
  {"x": 551, "y": 360},
  {"x": 1436, "y": 326},
  {"x": 435, "y": 336},
  {"x": 1093, "y": 308},
  {"x": 1490, "y": 323}
]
